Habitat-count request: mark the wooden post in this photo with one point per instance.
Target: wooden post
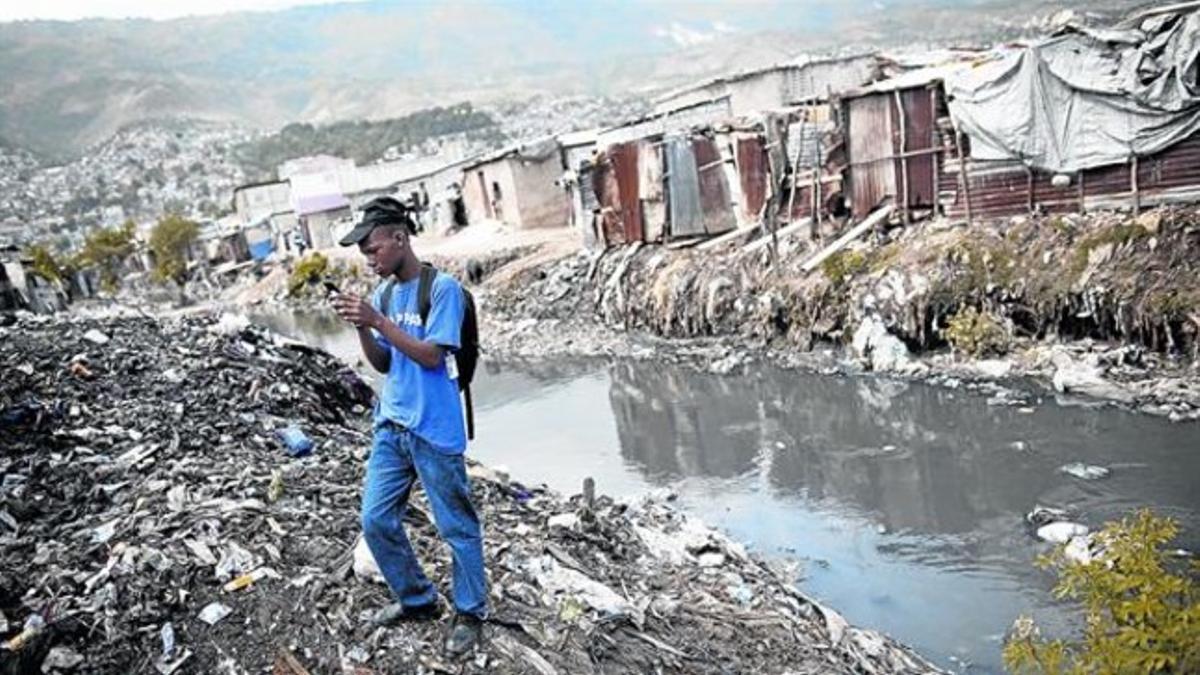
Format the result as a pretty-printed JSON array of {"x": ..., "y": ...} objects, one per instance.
[
  {"x": 1133, "y": 180},
  {"x": 819, "y": 199},
  {"x": 796, "y": 170},
  {"x": 795, "y": 179},
  {"x": 903, "y": 157},
  {"x": 933, "y": 143},
  {"x": 1029, "y": 188},
  {"x": 962, "y": 172}
]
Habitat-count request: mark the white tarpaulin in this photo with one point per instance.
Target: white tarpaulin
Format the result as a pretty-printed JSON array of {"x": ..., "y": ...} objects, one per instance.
[{"x": 1086, "y": 98}]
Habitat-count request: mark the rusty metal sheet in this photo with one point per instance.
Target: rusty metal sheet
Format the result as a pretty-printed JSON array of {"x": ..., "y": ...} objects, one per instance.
[
  {"x": 715, "y": 202},
  {"x": 624, "y": 160},
  {"x": 753, "y": 175},
  {"x": 870, "y": 148},
  {"x": 1001, "y": 189},
  {"x": 919, "y": 131}
]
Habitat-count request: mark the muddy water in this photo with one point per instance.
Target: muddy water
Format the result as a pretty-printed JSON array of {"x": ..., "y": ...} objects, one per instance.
[{"x": 902, "y": 502}]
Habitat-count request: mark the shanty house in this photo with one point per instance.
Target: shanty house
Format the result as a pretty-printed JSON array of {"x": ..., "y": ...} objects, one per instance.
[
  {"x": 254, "y": 201},
  {"x": 1022, "y": 148},
  {"x": 893, "y": 143},
  {"x": 517, "y": 186},
  {"x": 322, "y": 218}
]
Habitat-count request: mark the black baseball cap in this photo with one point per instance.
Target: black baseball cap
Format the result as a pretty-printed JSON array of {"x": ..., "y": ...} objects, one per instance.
[{"x": 377, "y": 212}]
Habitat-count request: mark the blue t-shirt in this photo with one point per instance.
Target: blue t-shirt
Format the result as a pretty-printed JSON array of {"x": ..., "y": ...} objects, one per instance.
[{"x": 424, "y": 400}]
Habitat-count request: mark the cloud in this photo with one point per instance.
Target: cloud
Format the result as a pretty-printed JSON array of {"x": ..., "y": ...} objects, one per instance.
[{"x": 686, "y": 36}]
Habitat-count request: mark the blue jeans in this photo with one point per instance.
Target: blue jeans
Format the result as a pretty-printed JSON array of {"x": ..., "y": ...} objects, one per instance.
[{"x": 398, "y": 458}]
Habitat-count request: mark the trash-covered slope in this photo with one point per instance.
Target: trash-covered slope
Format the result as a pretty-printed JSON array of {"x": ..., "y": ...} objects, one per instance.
[
  {"x": 153, "y": 518},
  {"x": 1022, "y": 290}
]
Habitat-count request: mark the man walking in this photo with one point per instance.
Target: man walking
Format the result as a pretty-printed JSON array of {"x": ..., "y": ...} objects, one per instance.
[{"x": 419, "y": 432}]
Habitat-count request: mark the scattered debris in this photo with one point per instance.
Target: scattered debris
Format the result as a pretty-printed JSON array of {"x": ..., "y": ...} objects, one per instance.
[
  {"x": 880, "y": 349},
  {"x": 184, "y": 509},
  {"x": 1044, "y": 515},
  {"x": 296, "y": 442},
  {"x": 1085, "y": 471},
  {"x": 214, "y": 612},
  {"x": 61, "y": 659},
  {"x": 1061, "y": 532},
  {"x": 95, "y": 337}
]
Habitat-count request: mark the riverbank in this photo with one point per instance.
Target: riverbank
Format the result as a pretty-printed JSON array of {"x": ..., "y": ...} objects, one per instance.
[
  {"x": 153, "y": 518},
  {"x": 1104, "y": 306}
]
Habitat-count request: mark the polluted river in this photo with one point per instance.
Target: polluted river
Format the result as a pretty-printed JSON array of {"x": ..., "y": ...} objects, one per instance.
[{"x": 901, "y": 504}]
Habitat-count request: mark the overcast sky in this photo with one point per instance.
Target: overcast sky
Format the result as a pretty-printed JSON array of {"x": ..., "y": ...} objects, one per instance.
[{"x": 70, "y": 10}]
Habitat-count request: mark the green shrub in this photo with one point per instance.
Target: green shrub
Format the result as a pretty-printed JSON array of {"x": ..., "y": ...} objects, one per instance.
[
  {"x": 842, "y": 265},
  {"x": 308, "y": 270},
  {"x": 1141, "y": 616},
  {"x": 976, "y": 333}
]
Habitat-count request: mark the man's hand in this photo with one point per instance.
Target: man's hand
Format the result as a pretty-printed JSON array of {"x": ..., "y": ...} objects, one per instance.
[{"x": 357, "y": 311}]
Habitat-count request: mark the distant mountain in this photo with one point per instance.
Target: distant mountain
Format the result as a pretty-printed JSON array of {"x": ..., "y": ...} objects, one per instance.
[{"x": 65, "y": 85}]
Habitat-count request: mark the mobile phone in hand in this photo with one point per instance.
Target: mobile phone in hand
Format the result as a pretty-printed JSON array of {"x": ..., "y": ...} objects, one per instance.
[{"x": 331, "y": 287}]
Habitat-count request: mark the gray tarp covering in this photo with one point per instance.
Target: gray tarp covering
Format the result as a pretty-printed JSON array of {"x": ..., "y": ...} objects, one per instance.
[{"x": 1084, "y": 99}]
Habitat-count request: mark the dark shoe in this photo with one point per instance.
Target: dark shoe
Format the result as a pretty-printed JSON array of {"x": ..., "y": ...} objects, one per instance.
[
  {"x": 395, "y": 613},
  {"x": 464, "y": 635}
]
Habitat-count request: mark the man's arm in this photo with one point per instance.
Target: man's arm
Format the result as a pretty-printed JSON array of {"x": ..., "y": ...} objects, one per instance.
[
  {"x": 360, "y": 313},
  {"x": 379, "y": 357}
]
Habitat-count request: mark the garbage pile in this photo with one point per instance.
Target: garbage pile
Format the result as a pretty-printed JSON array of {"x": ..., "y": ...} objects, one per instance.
[{"x": 182, "y": 497}]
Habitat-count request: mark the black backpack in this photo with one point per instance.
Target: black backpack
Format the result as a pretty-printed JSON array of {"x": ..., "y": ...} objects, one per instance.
[{"x": 467, "y": 354}]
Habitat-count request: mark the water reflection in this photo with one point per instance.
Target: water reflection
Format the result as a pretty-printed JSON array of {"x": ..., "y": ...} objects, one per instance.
[{"x": 915, "y": 458}]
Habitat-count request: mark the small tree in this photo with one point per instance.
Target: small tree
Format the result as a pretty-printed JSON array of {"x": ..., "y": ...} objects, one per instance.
[
  {"x": 169, "y": 241},
  {"x": 107, "y": 248},
  {"x": 45, "y": 264},
  {"x": 1140, "y": 616}
]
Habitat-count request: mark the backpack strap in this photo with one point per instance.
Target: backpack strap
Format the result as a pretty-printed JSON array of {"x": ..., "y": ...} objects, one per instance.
[
  {"x": 424, "y": 306},
  {"x": 425, "y": 291},
  {"x": 469, "y": 407}
]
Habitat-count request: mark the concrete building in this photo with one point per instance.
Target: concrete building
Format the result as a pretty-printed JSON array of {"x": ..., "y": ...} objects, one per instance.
[
  {"x": 255, "y": 201},
  {"x": 323, "y": 219},
  {"x": 518, "y": 186}
]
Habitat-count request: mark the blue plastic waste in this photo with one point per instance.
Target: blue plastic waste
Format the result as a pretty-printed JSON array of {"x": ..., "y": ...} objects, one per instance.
[{"x": 296, "y": 442}]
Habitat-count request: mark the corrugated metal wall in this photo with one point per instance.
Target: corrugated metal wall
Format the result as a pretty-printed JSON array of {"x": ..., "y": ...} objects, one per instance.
[
  {"x": 891, "y": 144},
  {"x": 870, "y": 150},
  {"x": 715, "y": 202},
  {"x": 615, "y": 181},
  {"x": 753, "y": 174},
  {"x": 919, "y": 117},
  {"x": 1000, "y": 189}
]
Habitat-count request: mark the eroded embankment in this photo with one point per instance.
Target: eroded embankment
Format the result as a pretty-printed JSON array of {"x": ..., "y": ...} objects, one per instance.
[{"x": 1105, "y": 304}]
